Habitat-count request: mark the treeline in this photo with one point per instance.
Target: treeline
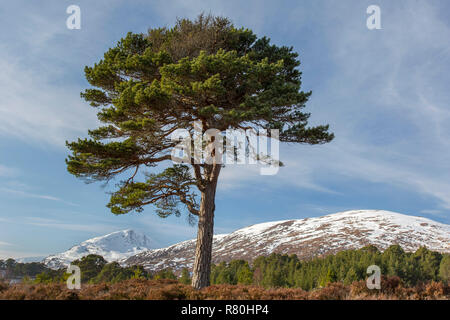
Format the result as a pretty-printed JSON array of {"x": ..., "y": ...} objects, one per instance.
[
  {"x": 275, "y": 270},
  {"x": 346, "y": 266},
  {"x": 11, "y": 269},
  {"x": 94, "y": 269}
]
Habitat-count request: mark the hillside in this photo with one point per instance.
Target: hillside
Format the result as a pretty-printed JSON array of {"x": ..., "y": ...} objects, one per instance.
[{"x": 308, "y": 238}]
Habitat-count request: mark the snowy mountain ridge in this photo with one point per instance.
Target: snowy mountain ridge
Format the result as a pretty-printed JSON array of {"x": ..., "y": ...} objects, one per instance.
[
  {"x": 115, "y": 246},
  {"x": 309, "y": 237}
]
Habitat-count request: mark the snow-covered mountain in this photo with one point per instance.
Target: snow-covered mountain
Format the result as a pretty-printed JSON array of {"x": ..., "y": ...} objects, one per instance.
[
  {"x": 308, "y": 238},
  {"x": 115, "y": 246}
]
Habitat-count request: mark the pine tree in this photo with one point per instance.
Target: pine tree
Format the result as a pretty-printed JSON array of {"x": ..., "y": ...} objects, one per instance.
[
  {"x": 165, "y": 274},
  {"x": 90, "y": 266},
  {"x": 111, "y": 272},
  {"x": 185, "y": 276},
  {"x": 351, "y": 276},
  {"x": 331, "y": 276},
  {"x": 429, "y": 262},
  {"x": 444, "y": 268},
  {"x": 393, "y": 259},
  {"x": 148, "y": 86}
]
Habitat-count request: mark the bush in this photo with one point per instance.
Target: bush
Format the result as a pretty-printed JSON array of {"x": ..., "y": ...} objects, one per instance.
[
  {"x": 333, "y": 291},
  {"x": 167, "y": 289}
]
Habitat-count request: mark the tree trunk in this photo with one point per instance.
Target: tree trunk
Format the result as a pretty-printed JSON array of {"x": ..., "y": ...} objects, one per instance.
[{"x": 203, "y": 251}]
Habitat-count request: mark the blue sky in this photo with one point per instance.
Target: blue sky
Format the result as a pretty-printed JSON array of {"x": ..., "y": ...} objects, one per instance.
[{"x": 383, "y": 92}]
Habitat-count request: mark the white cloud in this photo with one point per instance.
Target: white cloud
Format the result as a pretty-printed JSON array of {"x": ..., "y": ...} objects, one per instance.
[
  {"x": 42, "y": 62},
  {"x": 34, "y": 110},
  {"x": 6, "y": 254},
  {"x": 397, "y": 78},
  {"x": 67, "y": 225},
  {"x": 387, "y": 101},
  {"x": 27, "y": 194},
  {"x": 8, "y": 171}
]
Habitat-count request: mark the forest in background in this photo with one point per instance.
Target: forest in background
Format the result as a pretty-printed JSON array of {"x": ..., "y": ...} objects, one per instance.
[{"x": 273, "y": 271}]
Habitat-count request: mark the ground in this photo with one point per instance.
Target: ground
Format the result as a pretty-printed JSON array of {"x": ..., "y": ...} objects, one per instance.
[{"x": 137, "y": 289}]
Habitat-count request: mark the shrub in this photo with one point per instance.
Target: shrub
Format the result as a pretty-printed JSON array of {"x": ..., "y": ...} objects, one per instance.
[
  {"x": 333, "y": 291},
  {"x": 169, "y": 289}
]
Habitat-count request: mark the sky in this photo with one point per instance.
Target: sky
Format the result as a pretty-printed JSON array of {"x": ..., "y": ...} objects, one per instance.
[{"x": 385, "y": 94}]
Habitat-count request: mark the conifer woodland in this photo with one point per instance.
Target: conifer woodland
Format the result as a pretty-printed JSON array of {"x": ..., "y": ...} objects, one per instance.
[{"x": 274, "y": 271}]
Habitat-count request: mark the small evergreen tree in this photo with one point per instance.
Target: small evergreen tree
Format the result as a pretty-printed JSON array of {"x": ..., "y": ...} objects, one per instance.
[
  {"x": 165, "y": 274},
  {"x": 90, "y": 266},
  {"x": 245, "y": 274},
  {"x": 351, "y": 276},
  {"x": 444, "y": 268},
  {"x": 185, "y": 276},
  {"x": 428, "y": 262}
]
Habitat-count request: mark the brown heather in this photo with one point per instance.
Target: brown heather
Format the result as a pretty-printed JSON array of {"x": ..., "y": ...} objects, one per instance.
[{"x": 136, "y": 289}]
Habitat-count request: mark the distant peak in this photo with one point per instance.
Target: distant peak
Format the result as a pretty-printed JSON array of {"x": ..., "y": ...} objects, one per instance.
[
  {"x": 113, "y": 246},
  {"x": 308, "y": 238}
]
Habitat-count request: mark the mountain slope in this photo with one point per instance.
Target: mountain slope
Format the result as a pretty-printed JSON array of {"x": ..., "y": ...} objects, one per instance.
[
  {"x": 308, "y": 238},
  {"x": 115, "y": 246}
]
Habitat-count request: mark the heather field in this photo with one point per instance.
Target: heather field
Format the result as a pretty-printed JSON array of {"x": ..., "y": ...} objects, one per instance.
[{"x": 165, "y": 289}]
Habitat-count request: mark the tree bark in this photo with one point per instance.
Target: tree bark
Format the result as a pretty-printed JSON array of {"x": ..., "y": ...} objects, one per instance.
[{"x": 203, "y": 251}]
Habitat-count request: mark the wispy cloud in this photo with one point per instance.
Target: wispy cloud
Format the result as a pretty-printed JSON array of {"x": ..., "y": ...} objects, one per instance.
[
  {"x": 432, "y": 211},
  {"x": 4, "y": 243},
  {"x": 6, "y": 254},
  {"x": 8, "y": 171},
  {"x": 39, "y": 99},
  {"x": 69, "y": 225},
  {"x": 387, "y": 101},
  {"x": 397, "y": 133},
  {"x": 235, "y": 177},
  {"x": 34, "y": 110},
  {"x": 27, "y": 194}
]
